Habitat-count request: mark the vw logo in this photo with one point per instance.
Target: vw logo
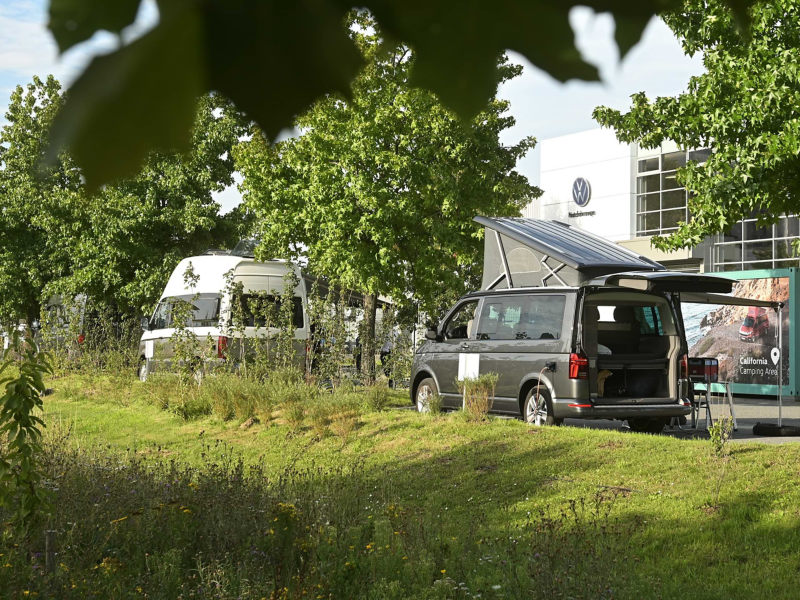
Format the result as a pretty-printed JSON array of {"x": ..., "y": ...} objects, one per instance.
[{"x": 581, "y": 192}]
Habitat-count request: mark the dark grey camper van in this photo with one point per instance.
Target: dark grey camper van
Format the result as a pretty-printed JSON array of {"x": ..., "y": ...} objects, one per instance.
[{"x": 595, "y": 328}]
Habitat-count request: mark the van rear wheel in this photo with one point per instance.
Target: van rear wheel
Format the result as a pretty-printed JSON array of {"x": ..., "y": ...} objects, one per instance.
[{"x": 538, "y": 409}]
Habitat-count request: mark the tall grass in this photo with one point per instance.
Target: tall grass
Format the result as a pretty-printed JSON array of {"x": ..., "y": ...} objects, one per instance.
[{"x": 130, "y": 527}]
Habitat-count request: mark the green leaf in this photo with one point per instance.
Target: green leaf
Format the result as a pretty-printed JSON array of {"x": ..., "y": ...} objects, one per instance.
[
  {"x": 273, "y": 58},
  {"x": 73, "y": 21},
  {"x": 628, "y": 30},
  {"x": 132, "y": 101}
]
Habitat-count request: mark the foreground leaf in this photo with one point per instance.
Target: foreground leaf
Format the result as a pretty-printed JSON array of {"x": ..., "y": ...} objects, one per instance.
[{"x": 273, "y": 58}]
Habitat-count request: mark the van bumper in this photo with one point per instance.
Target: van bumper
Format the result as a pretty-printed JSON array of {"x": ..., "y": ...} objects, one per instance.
[{"x": 580, "y": 409}]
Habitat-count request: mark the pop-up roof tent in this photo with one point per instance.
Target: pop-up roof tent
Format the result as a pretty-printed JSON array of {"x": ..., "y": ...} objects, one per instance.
[
  {"x": 536, "y": 253},
  {"x": 532, "y": 252}
]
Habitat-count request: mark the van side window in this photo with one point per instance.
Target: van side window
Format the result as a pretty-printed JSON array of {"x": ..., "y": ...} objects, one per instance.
[
  {"x": 534, "y": 317},
  {"x": 255, "y": 314},
  {"x": 459, "y": 326}
]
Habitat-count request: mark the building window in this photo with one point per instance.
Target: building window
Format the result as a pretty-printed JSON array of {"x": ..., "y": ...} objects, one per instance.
[
  {"x": 660, "y": 199},
  {"x": 748, "y": 246}
]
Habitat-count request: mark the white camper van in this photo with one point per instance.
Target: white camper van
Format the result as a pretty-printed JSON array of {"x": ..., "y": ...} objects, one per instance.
[{"x": 212, "y": 306}]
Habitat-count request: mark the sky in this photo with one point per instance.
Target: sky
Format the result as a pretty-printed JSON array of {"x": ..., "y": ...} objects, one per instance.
[{"x": 542, "y": 106}]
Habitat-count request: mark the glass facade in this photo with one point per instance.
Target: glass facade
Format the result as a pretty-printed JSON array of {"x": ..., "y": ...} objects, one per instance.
[
  {"x": 747, "y": 246},
  {"x": 660, "y": 200}
]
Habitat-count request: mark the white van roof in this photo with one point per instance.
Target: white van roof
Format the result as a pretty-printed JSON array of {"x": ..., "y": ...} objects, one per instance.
[{"x": 211, "y": 270}]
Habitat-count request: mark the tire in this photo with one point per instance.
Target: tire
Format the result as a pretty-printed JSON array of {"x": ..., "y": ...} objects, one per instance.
[
  {"x": 544, "y": 414},
  {"x": 425, "y": 389},
  {"x": 772, "y": 430},
  {"x": 654, "y": 426},
  {"x": 141, "y": 372}
]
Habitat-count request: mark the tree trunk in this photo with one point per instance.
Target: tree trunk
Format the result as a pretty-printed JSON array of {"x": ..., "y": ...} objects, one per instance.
[{"x": 368, "y": 338}]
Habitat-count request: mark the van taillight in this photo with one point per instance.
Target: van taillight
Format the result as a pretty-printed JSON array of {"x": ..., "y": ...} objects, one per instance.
[
  {"x": 685, "y": 366},
  {"x": 222, "y": 346},
  {"x": 578, "y": 367}
]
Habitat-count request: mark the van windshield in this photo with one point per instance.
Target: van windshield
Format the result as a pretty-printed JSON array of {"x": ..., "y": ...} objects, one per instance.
[
  {"x": 749, "y": 321},
  {"x": 205, "y": 311}
]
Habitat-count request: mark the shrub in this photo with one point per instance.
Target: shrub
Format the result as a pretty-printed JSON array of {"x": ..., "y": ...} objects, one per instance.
[
  {"x": 376, "y": 397},
  {"x": 478, "y": 393}
]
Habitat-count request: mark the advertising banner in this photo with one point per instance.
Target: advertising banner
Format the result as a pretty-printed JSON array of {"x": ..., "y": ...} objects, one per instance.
[{"x": 743, "y": 339}]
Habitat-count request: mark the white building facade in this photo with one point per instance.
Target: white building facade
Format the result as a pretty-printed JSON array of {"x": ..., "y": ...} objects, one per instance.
[{"x": 628, "y": 194}]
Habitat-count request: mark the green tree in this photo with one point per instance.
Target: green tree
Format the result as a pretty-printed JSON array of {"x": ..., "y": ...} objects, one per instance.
[
  {"x": 39, "y": 206},
  {"x": 744, "y": 108},
  {"x": 380, "y": 190},
  {"x": 140, "y": 228},
  {"x": 119, "y": 245},
  {"x": 273, "y": 58}
]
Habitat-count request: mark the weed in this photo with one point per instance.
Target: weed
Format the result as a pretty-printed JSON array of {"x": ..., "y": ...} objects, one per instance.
[
  {"x": 376, "y": 397},
  {"x": 294, "y": 414},
  {"x": 435, "y": 405},
  {"x": 345, "y": 413},
  {"x": 319, "y": 414},
  {"x": 478, "y": 394},
  {"x": 720, "y": 432}
]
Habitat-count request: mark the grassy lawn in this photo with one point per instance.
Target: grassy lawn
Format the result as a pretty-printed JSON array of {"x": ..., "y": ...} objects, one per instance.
[{"x": 417, "y": 506}]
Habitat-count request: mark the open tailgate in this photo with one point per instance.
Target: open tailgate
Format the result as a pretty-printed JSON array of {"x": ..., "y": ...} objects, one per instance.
[{"x": 668, "y": 281}]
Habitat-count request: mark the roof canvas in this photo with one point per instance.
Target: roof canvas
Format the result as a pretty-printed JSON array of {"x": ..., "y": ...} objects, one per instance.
[{"x": 523, "y": 252}]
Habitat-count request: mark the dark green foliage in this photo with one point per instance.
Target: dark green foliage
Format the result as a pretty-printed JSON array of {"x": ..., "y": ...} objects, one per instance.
[
  {"x": 744, "y": 108},
  {"x": 273, "y": 58}
]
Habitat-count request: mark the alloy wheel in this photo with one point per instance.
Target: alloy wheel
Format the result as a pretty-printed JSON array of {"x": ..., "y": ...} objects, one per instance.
[
  {"x": 536, "y": 415},
  {"x": 424, "y": 394}
]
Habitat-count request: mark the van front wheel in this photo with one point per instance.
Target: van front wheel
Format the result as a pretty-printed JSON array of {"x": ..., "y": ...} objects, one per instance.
[{"x": 539, "y": 408}]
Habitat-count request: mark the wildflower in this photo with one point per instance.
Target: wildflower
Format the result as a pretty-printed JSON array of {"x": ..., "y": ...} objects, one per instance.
[
  {"x": 496, "y": 587},
  {"x": 26, "y": 593},
  {"x": 444, "y": 571},
  {"x": 369, "y": 546},
  {"x": 397, "y": 533},
  {"x": 405, "y": 558},
  {"x": 187, "y": 511}
]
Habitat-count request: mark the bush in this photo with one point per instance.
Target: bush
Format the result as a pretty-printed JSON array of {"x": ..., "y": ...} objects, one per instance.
[
  {"x": 376, "y": 397},
  {"x": 478, "y": 393}
]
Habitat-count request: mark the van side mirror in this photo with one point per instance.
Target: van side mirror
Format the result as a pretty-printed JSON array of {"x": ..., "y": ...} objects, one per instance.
[
  {"x": 145, "y": 323},
  {"x": 432, "y": 334}
]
